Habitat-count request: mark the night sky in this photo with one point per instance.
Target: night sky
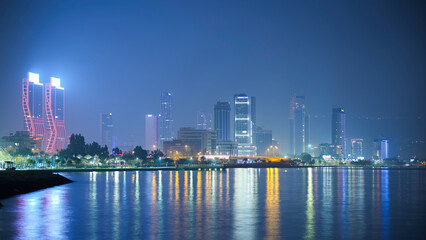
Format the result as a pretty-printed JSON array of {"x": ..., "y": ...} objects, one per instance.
[{"x": 368, "y": 57}]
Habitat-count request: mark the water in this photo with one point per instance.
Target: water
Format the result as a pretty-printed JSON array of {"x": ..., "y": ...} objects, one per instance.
[{"x": 312, "y": 203}]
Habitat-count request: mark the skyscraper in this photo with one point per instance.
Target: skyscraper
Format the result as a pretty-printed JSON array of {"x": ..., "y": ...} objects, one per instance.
[
  {"x": 54, "y": 99},
  {"x": 151, "y": 133},
  {"x": 44, "y": 112},
  {"x": 222, "y": 120},
  {"x": 243, "y": 125},
  {"x": 204, "y": 121},
  {"x": 107, "y": 130},
  {"x": 32, "y": 105},
  {"x": 338, "y": 129},
  {"x": 298, "y": 126},
  {"x": 384, "y": 149},
  {"x": 357, "y": 150},
  {"x": 263, "y": 141},
  {"x": 166, "y": 118}
]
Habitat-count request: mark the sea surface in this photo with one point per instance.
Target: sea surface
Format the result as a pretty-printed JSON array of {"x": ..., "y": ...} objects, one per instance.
[{"x": 298, "y": 203}]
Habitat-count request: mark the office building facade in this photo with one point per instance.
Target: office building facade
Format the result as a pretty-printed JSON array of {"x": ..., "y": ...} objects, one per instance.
[
  {"x": 298, "y": 126},
  {"x": 357, "y": 148},
  {"x": 204, "y": 121},
  {"x": 151, "y": 132},
  {"x": 107, "y": 130},
  {"x": 54, "y": 99},
  {"x": 338, "y": 129},
  {"x": 44, "y": 112},
  {"x": 165, "y": 119},
  {"x": 243, "y": 125},
  {"x": 222, "y": 120},
  {"x": 33, "y": 107}
]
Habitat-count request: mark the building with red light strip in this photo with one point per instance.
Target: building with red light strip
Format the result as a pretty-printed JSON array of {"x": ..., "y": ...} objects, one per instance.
[
  {"x": 44, "y": 111},
  {"x": 32, "y": 104},
  {"x": 54, "y": 99}
]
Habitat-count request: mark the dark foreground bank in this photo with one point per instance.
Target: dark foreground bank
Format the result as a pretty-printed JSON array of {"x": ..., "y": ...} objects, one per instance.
[{"x": 18, "y": 182}]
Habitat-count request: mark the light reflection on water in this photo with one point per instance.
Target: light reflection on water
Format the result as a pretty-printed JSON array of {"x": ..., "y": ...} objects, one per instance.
[{"x": 311, "y": 203}]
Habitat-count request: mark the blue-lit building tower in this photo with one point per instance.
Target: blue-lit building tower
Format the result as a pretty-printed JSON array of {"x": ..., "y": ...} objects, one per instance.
[
  {"x": 166, "y": 118},
  {"x": 222, "y": 120},
  {"x": 338, "y": 129},
  {"x": 298, "y": 126},
  {"x": 243, "y": 125}
]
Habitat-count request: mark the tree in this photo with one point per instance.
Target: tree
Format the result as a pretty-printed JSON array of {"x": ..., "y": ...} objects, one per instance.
[
  {"x": 116, "y": 151},
  {"x": 93, "y": 149},
  {"x": 104, "y": 153},
  {"x": 140, "y": 153},
  {"x": 306, "y": 158},
  {"x": 156, "y": 154},
  {"x": 77, "y": 145}
]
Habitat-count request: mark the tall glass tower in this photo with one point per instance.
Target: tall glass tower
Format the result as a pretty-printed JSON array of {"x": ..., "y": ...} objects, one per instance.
[
  {"x": 54, "y": 99},
  {"x": 33, "y": 107},
  {"x": 222, "y": 120},
  {"x": 151, "y": 136},
  {"x": 107, "y": 130},
  {"x": 298, "y": 126},
  {"x": 243, "y": 125},
  {"x": 338, "y": 129},
  {"x": 166, "y": 118}
]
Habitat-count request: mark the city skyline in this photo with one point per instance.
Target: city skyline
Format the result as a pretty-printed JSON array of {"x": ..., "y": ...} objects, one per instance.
[{"x": 374, "y": 73}]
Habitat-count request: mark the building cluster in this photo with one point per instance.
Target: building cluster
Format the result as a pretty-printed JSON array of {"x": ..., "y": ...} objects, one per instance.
[
  {"x": 231, "y": 130},
  {"x": 44, "y": 112},
  {"x": 212, "y": 134}
]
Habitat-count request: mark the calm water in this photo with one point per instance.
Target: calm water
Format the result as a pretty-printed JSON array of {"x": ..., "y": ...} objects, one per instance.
[{"x": 312, "y": 203}]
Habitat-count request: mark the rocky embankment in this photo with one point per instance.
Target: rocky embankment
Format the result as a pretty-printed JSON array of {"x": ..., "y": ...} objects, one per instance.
[{"x": 18, "y": 182}]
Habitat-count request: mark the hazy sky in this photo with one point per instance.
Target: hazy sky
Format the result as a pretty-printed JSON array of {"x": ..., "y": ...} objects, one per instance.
[{"x": 117, "y": 56}]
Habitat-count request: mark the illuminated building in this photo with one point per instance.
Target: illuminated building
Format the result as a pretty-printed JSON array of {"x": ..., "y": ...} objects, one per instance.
[
  {"x": 380, "y": 148},
  {"x": 44, "y": 112},
  {"x": 32, "y": 105},
  {"x": 151, "y": 135},
  {"x": 190, "y": 142},
  {"x": 203, "y": 141},
  {"x": 298, "y": 126},
  {"x": 243, "y": 124},
  {"x": 107, "y": 128},
  {"x": 384, "y": 149},
  {"x": 54, "y": 99},
  {"x": 166, "y": 118},
  {"x": 222, "y": 120},
  {"x": 357, "y": 151},
  {"x": 338, "y": 129},
  {"x": 263, "y": 141},
  {"x": 204, "y": 121}
]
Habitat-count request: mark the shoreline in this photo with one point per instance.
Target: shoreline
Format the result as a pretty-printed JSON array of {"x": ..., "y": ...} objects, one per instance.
[{"x": 18, "y": 182}]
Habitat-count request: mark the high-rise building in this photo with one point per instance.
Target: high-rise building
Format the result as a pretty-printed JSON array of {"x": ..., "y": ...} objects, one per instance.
[
  {"x": 263, "y": 141},
  {"x": 357, "y": 151},
  {"x": 243, "y": 125},
  {"x": 54, "y": 99},
  {"x": 338, "y": 129},
  {"x": 222, "y": 120},
  {"x": 380, "y": 148},
  {"x": 107, "y": 130},
  {"x": 298, "y": 126},
  {"x": 33, "y": 107},
  {"x": 44, "y": 112},
  {"x": 151, "y": 133},
  {"x": 384, "y": 149},
  {"x": 166, "y": 118},
  {"x": 204, "y": 121}
]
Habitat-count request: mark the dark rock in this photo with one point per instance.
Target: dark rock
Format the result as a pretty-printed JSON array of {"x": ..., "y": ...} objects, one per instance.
[{"x": 18, "y": 182}]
